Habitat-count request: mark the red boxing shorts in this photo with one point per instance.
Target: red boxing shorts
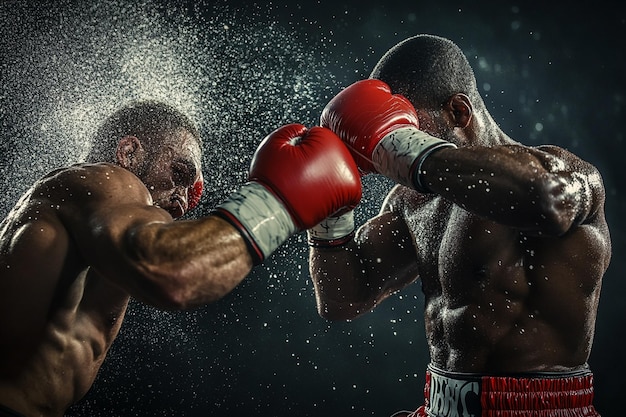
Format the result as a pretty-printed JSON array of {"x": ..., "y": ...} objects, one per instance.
[{"x": 544, "y": 394}]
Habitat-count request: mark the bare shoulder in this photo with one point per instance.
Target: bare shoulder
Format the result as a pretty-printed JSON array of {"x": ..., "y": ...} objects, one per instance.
[
  {"x": 86, "y": 184},
  {"x": 62, "y": 204},
  {"x": 101, "y": 198},
  {"x": 98, "y": 195},
  {"x": 70, "y": 192},
  {"x": 97, "y": 205}
]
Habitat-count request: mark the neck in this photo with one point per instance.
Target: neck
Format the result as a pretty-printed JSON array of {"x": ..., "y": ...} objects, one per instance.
[{"x": 486, "y": 132}]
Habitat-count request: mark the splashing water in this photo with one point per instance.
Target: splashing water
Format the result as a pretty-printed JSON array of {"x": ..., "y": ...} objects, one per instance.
[{"x": 66, "y": 68}]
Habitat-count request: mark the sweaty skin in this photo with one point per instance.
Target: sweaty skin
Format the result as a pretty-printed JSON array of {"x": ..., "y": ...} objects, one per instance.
[
  {"x": 77, "y": 245},
  {"x": 510, "y": 249}
]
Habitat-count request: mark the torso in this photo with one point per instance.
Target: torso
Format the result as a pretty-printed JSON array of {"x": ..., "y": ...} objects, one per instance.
[
  {"x": 493, "y": 294},
  {"x": 59, "y": 317}
]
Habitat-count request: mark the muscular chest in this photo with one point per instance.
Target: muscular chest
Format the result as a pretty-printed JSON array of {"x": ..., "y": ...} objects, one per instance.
[{"x": 461, "y": 253}]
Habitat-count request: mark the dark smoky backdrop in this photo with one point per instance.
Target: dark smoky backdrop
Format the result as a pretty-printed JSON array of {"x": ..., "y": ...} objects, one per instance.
[{"x": 549, "y": 73}]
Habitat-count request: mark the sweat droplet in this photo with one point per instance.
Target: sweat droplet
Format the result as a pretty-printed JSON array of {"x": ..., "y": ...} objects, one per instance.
[{"x": 69, "y": 68}]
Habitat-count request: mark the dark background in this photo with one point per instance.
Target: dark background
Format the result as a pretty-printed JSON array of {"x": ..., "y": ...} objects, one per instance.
[{"x": 550, "y": 73}]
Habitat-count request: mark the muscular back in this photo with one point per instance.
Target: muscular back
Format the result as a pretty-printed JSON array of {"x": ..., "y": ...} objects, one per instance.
[{"x": 57, "y": 316}]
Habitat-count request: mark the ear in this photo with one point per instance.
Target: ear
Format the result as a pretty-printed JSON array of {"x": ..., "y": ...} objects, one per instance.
[
  {"x": 129, "y": 153},
  {"x": 461, "y": 110}
]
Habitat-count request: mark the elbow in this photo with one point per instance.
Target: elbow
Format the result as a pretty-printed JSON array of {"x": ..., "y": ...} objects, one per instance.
[
  {"x": 336, "y": 303},
  {"x": 174, "y": 290},
  {"x": 174, "y": 299},
  {"x": 163, "y": 292},
  {"x": 340, "y": 311},
  {"x": 562, "y": 205},
  {"x": 331, "y": 314}
]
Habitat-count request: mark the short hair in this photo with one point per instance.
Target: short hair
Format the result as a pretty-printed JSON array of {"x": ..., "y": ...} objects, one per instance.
[
  {"x": 427, "y": 70},
  {"x": 147, "y": 120}
]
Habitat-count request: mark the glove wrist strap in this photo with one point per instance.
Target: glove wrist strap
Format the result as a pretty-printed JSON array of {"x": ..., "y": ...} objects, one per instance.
[
  {"x": 400, "y": 154},
  {"x": 260, "y": 217},
  {"x": 332, "y": 231}
]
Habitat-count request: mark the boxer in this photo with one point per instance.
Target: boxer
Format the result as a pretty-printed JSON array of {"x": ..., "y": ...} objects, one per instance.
[
  {"x": 508, "y": 241},
  {"x": 85, "y": 238}
]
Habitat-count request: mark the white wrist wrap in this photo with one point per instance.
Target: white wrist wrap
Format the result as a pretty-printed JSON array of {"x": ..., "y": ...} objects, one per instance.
[
  {"x": 400, "y": 154},
  {"x": 333, "y": 228},
  {"x": 264, "y": 217}
]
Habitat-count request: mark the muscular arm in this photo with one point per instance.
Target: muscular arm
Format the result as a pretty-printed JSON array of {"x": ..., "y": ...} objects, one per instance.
[
  {"x": 351, "y": 279},
  {"x": 183, "y": 264},
  {"x": 139, "y": 247},
  {"x": 544, "y": 190}
]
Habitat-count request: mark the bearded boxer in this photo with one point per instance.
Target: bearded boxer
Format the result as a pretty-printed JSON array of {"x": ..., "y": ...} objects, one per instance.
[
  {"x": 85, "y": 238},
  {"x": 509, "y": 242}
]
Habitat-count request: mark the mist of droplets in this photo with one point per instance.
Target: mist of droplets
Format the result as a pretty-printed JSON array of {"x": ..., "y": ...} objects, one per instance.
[
  {"x": 67, "y": 65},
  {"x": 66, "y": 68}
]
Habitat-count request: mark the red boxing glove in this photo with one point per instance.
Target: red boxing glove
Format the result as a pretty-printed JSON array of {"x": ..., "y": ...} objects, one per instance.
[
  {"x": 311, "y": 171},
  {"x": 382, "y": 131},
  {"x": 194, "y": 193},
  {"x": 298, "y": 177},
  {"x": 363, "y": 113}
]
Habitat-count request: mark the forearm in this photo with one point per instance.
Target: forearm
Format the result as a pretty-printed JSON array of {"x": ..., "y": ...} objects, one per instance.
[
  {"x": 539, "y": 190},
  {"x": 186, "y": 264},
  {"x": 353, "y": 278},
  {"x": 341, "y": 289},
  {"x": 513, "y": 185}
]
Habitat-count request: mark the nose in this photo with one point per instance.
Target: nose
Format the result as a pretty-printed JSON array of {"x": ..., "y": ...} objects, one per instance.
[{"x": 181, "y": 194}]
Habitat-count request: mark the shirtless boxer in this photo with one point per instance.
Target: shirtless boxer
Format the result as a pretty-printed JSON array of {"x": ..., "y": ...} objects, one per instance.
[
  {"x": 85, "y": 238},
  {"x": 509, "y": 242}
]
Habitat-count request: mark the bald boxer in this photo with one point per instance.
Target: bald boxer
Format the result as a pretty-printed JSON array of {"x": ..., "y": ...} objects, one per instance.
[
  {"x": 85, "y": 238},
  {"x": 509, "y": 242}
]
